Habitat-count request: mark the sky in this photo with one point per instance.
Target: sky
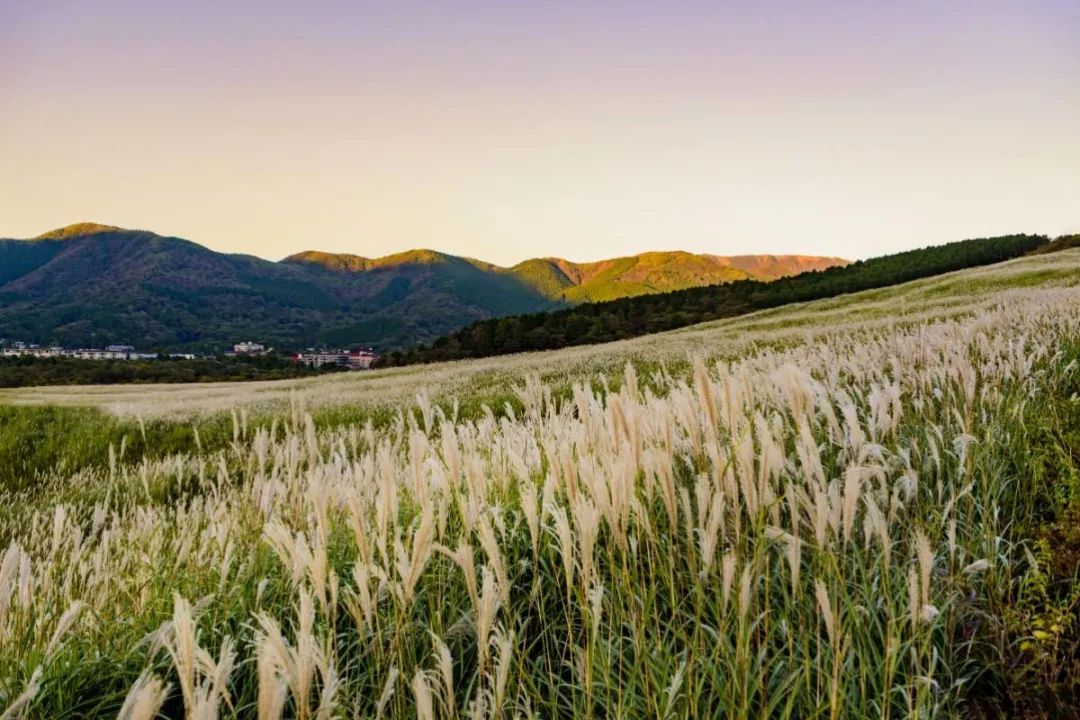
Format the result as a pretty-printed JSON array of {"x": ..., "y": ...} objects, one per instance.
[{"x": 512, "y": 129}]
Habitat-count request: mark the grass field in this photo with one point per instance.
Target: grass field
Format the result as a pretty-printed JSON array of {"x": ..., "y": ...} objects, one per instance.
[
  {"x": 946, "y": 296},
  {"x": 861, "y": 507}
]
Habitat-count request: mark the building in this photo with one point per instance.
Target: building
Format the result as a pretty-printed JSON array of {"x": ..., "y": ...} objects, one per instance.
[
  {"x": 95, "y": 354},
  {"x": 362, "y": 359},
  {"x": 24, "y": 350},
  {"x": 112, "y": 352},
  {"x": 248, "y": 348},
  {"x": 351, "y": 359}
]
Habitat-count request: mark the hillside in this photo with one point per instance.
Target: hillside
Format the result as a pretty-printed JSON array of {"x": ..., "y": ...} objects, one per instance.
[
  {"x": 870, "y": 499},
  {"x": 565, "y": 282},
  {"x": 632, "y": 316},
  {"x": 657, "y": 272},
  {"x": 111, "y": 285},
  {"x": 91, "y": 284},
  {"x": 126, "y": 286},
  {"x": 972, "y": 292}
]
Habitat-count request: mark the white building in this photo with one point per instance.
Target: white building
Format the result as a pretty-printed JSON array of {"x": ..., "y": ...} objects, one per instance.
[
  {"x": 112, "y": 352},
  {"x": 352, "y": 359},
  {"x": 22, "y": 349},
  {"x": 106, "y": 354},
  {"x": 249, "y": 348}
]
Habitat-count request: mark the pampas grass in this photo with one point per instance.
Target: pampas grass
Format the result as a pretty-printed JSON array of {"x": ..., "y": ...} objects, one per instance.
[{"x": 795, "y": 532}]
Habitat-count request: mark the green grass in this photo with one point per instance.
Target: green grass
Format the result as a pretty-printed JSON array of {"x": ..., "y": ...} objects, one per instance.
[
  {"x": 696, "y": 620},
  {"x": 962, "y": 427}
]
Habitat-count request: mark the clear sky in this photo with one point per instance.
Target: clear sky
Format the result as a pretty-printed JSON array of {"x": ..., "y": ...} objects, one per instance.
[{"x": 515, "y": 128}]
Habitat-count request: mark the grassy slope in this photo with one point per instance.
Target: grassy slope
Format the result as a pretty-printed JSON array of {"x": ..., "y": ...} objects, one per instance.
[
  {"x": 1022, "y": 664},
  {"x": 955, "y": 293},
  {"x": 68, "y": 422},
  {"x": 629, "y": 317}
]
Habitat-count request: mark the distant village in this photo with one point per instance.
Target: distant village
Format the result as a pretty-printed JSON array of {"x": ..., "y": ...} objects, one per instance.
[{"x": 358, "y": 359}]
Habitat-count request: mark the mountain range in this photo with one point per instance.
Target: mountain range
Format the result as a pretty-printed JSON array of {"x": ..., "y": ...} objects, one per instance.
[{"x": 91, "y": 285}]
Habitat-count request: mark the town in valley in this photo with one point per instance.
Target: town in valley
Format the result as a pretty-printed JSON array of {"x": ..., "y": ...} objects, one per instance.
[{"x": 354, "y": 359}]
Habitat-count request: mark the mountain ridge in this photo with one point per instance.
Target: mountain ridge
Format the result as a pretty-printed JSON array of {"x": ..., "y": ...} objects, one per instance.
[
  {"x": 92, "y": 284},
  {"x": 610, "y": 278},
  {"x": 78, "y": 230}
]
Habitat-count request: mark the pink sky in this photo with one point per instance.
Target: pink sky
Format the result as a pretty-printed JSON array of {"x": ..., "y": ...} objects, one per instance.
[{"x": 505, "y": 130}]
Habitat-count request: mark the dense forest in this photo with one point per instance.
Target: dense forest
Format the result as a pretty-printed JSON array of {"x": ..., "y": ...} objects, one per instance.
[
  {"x": 630, "y": 317},
  {"x": 31, "y": 371},
  {"x": 1065, "y": 242}
]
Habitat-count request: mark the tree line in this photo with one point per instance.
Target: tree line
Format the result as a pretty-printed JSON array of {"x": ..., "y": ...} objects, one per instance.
[
  {"x": 26, "y": 371},
  {"x": 646, "y": 314}
]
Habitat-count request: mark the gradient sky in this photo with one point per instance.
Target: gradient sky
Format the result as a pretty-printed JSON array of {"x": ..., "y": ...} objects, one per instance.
[{"x": 506, "y": 130}]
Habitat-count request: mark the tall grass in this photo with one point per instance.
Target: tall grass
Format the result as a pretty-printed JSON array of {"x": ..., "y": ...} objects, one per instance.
[{"x": 822, "y": 530}]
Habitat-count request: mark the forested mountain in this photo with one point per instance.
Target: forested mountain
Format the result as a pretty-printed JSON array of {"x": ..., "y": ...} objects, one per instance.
[
  {"x": 109, "y": 285},
  {"x": 633, "y": 316},
  {"x": 93, "y": 285},
  {"x": 565, "y": 282}
]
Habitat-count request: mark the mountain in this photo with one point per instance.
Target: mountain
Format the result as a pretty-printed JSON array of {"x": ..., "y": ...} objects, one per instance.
[
  {"x": 656, "y": 272},
  {"x": 629, "y": 317},
  {"x": 568, "y": 282},
  {"x": 92, "y": 285}
]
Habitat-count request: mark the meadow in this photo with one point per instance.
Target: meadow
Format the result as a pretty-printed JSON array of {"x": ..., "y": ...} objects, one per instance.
[{"x": 861, "y": 507}]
